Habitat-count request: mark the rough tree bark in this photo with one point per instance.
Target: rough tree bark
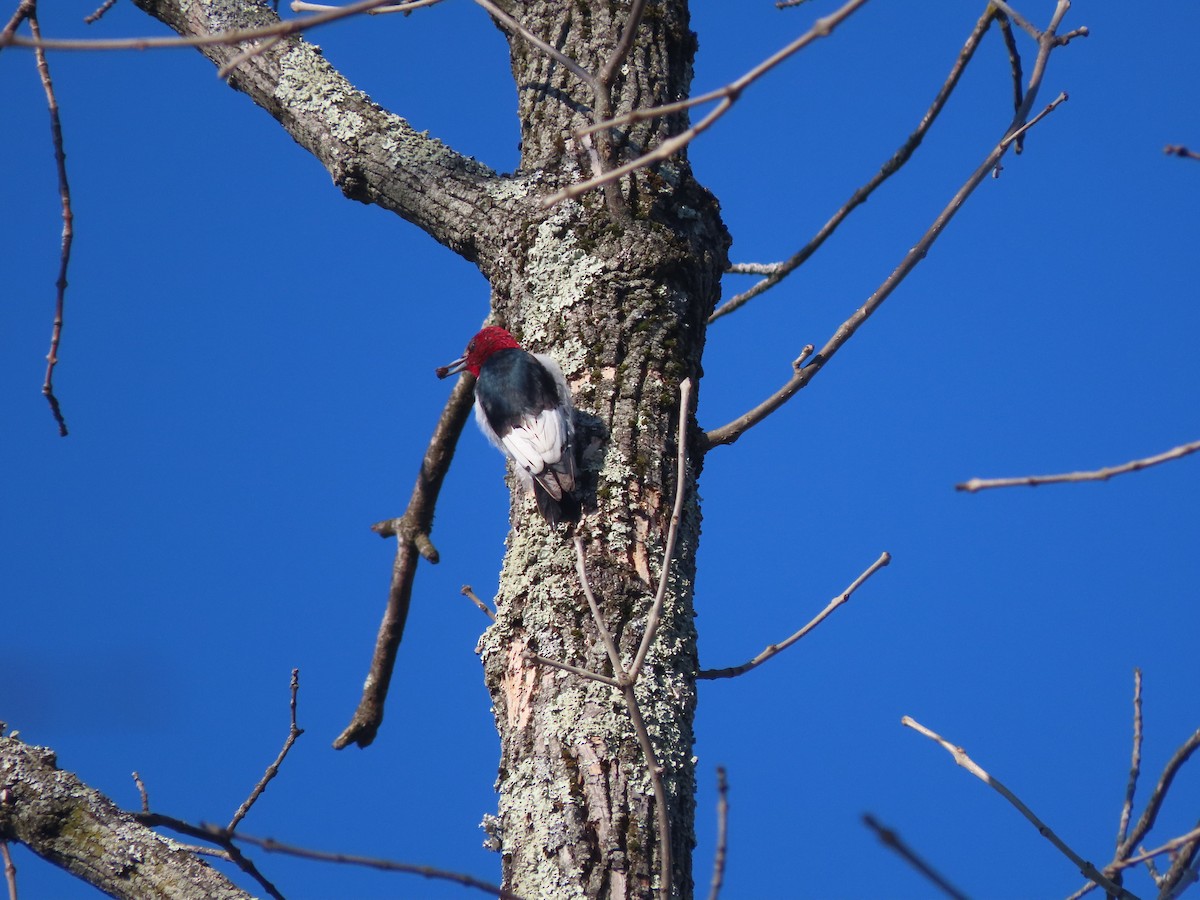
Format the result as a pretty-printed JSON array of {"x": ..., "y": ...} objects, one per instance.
[
  {"x": 63, "y": 820},
  {"x": 619, "y": 287}
]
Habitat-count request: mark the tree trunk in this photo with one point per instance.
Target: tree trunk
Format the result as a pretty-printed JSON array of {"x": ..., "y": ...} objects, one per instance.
[{"x": 617, "y": 286}]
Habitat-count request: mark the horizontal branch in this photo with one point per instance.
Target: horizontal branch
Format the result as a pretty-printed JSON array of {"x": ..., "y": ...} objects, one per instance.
[
  {"x": 727, "y": 96},
  {"x": 981, "y": 484}
]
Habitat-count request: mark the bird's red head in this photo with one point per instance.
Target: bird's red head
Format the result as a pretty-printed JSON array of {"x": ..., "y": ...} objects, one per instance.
[{"x": 482, "y": 346}]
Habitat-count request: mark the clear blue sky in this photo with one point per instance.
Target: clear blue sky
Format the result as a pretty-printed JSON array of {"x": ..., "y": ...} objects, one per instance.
[{"x": 247, "y": 371}]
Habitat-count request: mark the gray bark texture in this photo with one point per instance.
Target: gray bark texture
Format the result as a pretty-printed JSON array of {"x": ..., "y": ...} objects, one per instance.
[
  {"x": 618, "y": 287},
  {"x": 79, "y": 829}
]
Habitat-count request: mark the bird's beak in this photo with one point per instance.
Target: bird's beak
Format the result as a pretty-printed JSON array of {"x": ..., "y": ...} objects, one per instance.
[{"x": 454, "y": 368}]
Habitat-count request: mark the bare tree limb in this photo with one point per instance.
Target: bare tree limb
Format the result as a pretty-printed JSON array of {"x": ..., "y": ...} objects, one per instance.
[
  {"x": 776, "y": 272},
  {"x": 412, "y": 542},
  {"x": 80, "y": 830},
  {"x": 773, "y": 649},
  {"x": 726, "y": 96},
  {"x": 273, "y": 769},
  {"x": 1154, "y": 804},
  {"x": 10, "y": 870},
  {"x": 654, "y": 617},
  {"x": 728, "y": 434},
  {"x": 218, "y": 38},
  {"x": 892, "y": 841},
  {"x": 470, "y": 594},
  {"x": 981, "y": 484},
  {"x": 960, "y": 757},
  {"x": 68, "y": 219},
  {"x": 721, "y": 851},
  {"x": 1135, "y": 765},
  {"x": 514, "y": 27},
  {"x": 273, "y": 846}
]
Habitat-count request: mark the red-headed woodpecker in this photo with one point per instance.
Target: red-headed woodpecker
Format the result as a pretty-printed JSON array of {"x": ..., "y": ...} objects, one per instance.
[{"x": 523, "y": 406}]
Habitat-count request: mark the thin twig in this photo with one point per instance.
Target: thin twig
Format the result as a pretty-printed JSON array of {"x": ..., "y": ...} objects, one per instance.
[
  {"x": 213, "y": 834},
  {"x": 516, "y": 28},
  {"x": 412, "y": 543},
  {"x": 727, "y": 96},
  {"x": 567, "y": 667},
  {"x": 961, "y": 758},
  {"x": 624, "y": 45},
  {"x": 1022, "y": 23},
  {"x": 721, "y": 851},
  {"x": 1014, "y": 65},
  {"x": 141, "y": 787},
  {"x": 626, "y": 685},
  {"x": 773, "y": 649},
  {"x": 235, "y": 36},
  {"x": 1135, "y": 764},
  {"x": 1169, "y": 847},
  {"x": 10, "y": 870},
  {"x": 99, "y": 12},
  {"x": 980, "y": 484},
  {"x": 273, "y": 846},
  {"x": 468, "y": 592},
  {"x": 1154, "y": 804},
  {"x": 654, "y": 617},
  {"x": 257, "y": 49},
  {"x": 68, "y": 231},
  {"x": 610, "y": 647},
  {"x": 729, "y": 433},
  {"x": 778, "y": 271},
  {"x": 273, "y": 769},
  {"x": 892, "y": 841}
]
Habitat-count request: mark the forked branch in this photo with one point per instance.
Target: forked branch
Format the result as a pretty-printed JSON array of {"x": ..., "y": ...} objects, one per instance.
[{"x": 963, "y": 760}]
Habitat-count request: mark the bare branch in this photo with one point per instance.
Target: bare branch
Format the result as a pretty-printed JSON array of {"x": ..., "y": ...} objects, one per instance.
[
  {"x": 273, "y": 769},
  {"x": 38, "y": 797},
  {"x": 1135, "y": 764},
  {"x": 720, "y": 853},
  {"x": 729, "y": 433},
  {"x": 727, "y": 96},
  {"x": 960, "y": 757},
  {"x": 773, "y": 649},
  {"x": 141, "y": 788},
  {"x": 10, "y": 870},
  {"x": 1022, "y": 23},
  {"x": 291, "y": 26},
  {"x": 412, "y": 542},
  {"x": 273, "y": 846},
  {"x": 892, "y": 841},
  {"x": 68, "y": 219},
  {"x": 1154, "y": 804},
  {"x": 625, "y": 44},
  {"x": 776, "y": 272},
  {"x": 980, "y": 484},
  {"x": 567, "y": 667},
  {"x": 610, "y": 647},
  {"x": 654, "y": 617},
  {"x": 625, "y": 684},
  {"x": 514, "y": 27},
  {"x": 470, "y": 594}
]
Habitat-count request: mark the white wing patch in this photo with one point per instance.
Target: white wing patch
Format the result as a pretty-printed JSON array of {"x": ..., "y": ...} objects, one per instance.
[{"x": 536, "y": 444}]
